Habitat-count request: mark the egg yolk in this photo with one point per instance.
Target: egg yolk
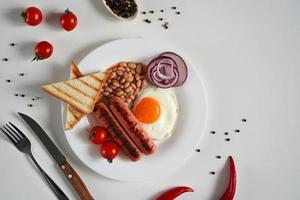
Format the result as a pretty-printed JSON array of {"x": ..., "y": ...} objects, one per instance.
[{"x": 147, "y": 110}]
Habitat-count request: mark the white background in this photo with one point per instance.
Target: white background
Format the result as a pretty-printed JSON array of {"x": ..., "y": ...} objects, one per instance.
[{"x": 248, "y": 56}]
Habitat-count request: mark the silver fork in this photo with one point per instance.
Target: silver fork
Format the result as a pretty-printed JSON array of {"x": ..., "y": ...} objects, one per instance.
[{"x": 23, "y": 144}]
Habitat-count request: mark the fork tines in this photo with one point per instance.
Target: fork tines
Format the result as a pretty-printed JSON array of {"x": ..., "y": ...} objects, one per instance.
[{"x": 13, "y": 135}]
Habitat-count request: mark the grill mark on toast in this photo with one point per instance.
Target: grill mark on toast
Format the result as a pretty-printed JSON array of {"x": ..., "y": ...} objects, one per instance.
[
  {"x": 72, "y": 113},
  {"x": 88, "y": 85},
  {"x": 62, "y": 92},
  {"x": 78, "y": 90},
  {"x": 96, "y": 78}
]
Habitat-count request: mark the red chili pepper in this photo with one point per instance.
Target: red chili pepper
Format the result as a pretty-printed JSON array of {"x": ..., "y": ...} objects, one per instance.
[
  {"x": 174, "y": 192},
  {"x": 230, "y": 191}
]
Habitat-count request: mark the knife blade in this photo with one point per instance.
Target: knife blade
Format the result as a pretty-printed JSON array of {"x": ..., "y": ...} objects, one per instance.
[{"x": 60, "y": 159}]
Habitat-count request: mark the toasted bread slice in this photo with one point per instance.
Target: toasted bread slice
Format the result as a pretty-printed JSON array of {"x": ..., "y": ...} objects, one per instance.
[
  {"x": 81, "y": 93},
  {"x": 73, "y": 116}
]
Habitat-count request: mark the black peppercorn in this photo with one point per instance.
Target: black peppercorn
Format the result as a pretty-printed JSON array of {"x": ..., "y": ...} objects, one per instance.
[
  {"x": 197, "y": 150},
  {"x": 16, "y": 95},
  {"x": 8, "y": 81},
  {"x": 151, "y": 11},
  {"x": 212, "y": 132},
  {"x": 178, "y": 13},
  {"x": 5, "y": 59},
  {"x": 143, "y": 12},
  {"x": 166, "y": 25},
  {"x": 226, "y": 133},
  {"x": 161, "y": 10},
  {"x": 22, "y": 95},
  {"x": 147, "y": 20},
  {"x": 212, "y": 173},
  {"x": 29, "y": 105},
  {"x": 160, "y": 19},
  {"x": 218, "y": 157},
  {"x": 237, "y": 130},
  {"x": 12, "y": 44},
  {"x": 21, "y": 74},
  {"x": 244, "y": 120},
  {"x": 227, "y": 139},
  {"x": 173, "y": 7}
]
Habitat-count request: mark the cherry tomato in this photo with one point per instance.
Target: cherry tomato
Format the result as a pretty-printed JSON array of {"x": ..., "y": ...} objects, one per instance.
[
  {"x": 109, "y": 150},
  {"x": 98, "y": 135},
  {"x": 43, "y": 50},
  {"x": 68, "y": 20},
  {"x": 32, "y": 16}
]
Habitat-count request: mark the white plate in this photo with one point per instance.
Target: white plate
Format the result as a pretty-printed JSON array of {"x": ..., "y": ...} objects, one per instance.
[{"x": 171, "y": 153}]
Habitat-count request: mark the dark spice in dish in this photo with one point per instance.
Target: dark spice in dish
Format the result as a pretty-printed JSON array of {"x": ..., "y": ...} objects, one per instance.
[
  {"x": 178, "y": 13},
  {"x": 12, "y": 44},
  {"x": 21, "y": 74},
  {"x": 16, "y": 95},
  {"x": 213, "y": 132},
  {"x": 218, "y": 157},
  {"x": 244, "y": 120},
  {"x": 151, "y": 11},
  {"x": 227, "y": 139},
  {"x": 212, "y": 173},
  {"x": 226, "y": 133},
  {"x": 161, "y": 10},
  {"x": 197, "y": 150},
  {"x": 237, "y": 130},
  {"x": 30, "y": 105},
  {"x": 5, "y": 59},
  {"x": 22, "y": 95},
  {"x": 143, "y": 12},
  {"x": 122, "y": 8},
  {"x": 160, "y": 19},
  {"x": 173, "y": 7},
  {"x": 8, "y": 81}
]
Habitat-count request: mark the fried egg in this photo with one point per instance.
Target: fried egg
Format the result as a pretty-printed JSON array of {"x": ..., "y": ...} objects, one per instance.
[{"x": 157, "y": 110}]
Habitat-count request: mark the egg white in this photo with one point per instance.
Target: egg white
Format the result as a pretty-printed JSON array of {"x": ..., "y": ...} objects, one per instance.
[{"x": 163, "y": 127}]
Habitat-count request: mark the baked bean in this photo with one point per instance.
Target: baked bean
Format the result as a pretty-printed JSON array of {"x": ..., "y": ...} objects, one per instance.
[
  {"x": 105, "y": 93},
  {"x": 139, "y": 83},
  {"x": 108, "y": 89},
  {"x": 137, "y": 77},
  {"x": 128, "y": 89},
  {"x": 120, "y": 73},
  {"x": 126, "y": 84},
  {"x": 112, "y": 75},
  {"x": 120, "y": 93},
  {"x": 132, "y": 65},
  {"x": 139, "y": 68},
  {"x": 122, "y": 80},
  {"x": 123, "y": 64}
]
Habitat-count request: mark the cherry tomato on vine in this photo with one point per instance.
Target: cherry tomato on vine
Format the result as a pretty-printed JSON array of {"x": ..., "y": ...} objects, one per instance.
[
  {"x": 109, "y": 150},
  {"x": 42, "y": 50},
  {"x": 68, "y": 20},
  {"x": 98, "y": 135},
  {"x": 32, "y": 16}
]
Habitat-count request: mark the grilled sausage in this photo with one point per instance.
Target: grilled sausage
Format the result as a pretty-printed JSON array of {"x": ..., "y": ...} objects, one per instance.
[
  {"x": 131, "y": 125},
  {"x": 117, "y": 133}
]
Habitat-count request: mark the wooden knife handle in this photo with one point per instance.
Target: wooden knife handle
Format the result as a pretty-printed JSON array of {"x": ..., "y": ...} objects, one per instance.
[{"x": 76, "y": 181}]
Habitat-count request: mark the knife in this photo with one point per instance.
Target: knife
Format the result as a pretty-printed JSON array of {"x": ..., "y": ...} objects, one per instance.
[{"x": 60, "y": 159}]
